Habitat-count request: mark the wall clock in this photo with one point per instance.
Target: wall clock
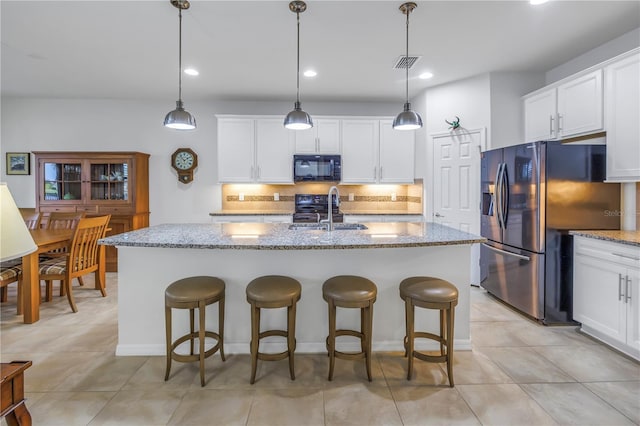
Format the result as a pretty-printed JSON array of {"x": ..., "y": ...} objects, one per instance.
[{"x": 184, "y": 160}]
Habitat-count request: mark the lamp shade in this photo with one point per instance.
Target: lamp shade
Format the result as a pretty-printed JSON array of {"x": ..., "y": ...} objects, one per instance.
[
  {"x": 407, "y": 119},
  {"x": 298, "y": 119},
  {"x": 15, "y": 239},
  {"x": 180, "y": 119}
]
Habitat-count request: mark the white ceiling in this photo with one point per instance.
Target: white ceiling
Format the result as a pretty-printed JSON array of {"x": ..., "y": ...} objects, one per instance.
[{"x": 245, "y": 50}]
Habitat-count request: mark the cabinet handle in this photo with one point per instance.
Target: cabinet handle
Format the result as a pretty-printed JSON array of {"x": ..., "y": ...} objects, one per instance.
[
  {"x": 380, "y": 172},
  {"x": 317, "y": 144},
  {"x": 258, "y": 172},
  {"x": 620, "y": 293},
  {"x": 375, "y": 173},
  {"x": 559, "y": 122},
  {"x": 551, "y": 125},
  {"x": 627, "y": 289},
  {"x": 626, "y": 256}
]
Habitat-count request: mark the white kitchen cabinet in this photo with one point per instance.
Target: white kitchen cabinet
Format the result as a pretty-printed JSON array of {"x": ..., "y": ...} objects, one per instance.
[
  {"x": 254, "y": 150},
  {"x": 622, "y": 109},
  {"x": 397, "y": 152},
  {"x": 571, "y": 108},
  {"x": 360, "y": 143},
  {"x": 322, "y": 138},
  {"x": 606, "y": 296},
  {"x": 372, "y": 152}
]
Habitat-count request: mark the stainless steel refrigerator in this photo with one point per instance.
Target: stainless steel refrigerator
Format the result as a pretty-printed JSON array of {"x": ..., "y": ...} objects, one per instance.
[{"x": 532, "y": 195}]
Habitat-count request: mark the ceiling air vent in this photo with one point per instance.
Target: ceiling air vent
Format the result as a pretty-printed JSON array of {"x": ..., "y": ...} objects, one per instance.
[{"x": 406, "y": 62}]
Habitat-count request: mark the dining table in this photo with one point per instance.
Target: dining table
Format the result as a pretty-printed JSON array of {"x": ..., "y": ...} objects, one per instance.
[{"x": 46, "y": 240}]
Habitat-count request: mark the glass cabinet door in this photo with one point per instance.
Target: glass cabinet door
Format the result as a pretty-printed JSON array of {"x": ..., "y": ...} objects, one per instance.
[
  {"x": 62, "y": 181},
  {"x": 109, "y": 181}
]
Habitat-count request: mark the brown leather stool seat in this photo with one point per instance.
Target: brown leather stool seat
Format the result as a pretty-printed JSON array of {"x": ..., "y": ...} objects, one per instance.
[
  {"x": 191, "y": 293},
  {"x": 430, "y": 293},
  {"x": 350, "y": 291},
  {"x": 273, "y": 291}
]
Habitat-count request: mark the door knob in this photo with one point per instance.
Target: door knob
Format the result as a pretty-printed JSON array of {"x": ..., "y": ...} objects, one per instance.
[{"x": 439, "y": 215}]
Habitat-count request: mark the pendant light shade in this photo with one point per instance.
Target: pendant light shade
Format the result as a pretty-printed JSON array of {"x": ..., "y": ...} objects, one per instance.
[
  {"x": 179, "y": 118},
  {"x": 407, "y": 119},
  {"x": 298, "y": 119}
]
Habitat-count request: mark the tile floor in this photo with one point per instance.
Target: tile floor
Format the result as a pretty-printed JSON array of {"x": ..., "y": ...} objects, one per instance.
[{"x": 518, "y": 373}]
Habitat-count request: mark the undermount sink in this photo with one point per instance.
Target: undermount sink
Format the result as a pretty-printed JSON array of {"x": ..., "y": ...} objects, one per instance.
[{"x": 323, "y": 226}]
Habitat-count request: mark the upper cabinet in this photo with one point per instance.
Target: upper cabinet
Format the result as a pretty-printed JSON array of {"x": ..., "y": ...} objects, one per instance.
[
  {"x": 254, "y": 150},
  {"x": 572, "y": 108},
  {"x": 622, "y": 112},
  {"x": 373, "y": 152},
  {"x": 322, "y": 138}
]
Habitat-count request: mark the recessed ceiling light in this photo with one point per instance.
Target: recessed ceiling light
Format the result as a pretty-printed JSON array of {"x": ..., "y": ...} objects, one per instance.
[
  {"x": 425, "y": 75},
  {"x": 310, "y": 73},
  {"x": 537, "y": 2},
  {"x": 191, "y": 71}
]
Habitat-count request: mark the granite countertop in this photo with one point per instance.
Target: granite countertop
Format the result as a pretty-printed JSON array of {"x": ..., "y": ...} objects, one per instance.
[
  {"x": 278, "y": 236},
  {"x": 625, "y": 237},
  {"x": 284, "y": 213}
]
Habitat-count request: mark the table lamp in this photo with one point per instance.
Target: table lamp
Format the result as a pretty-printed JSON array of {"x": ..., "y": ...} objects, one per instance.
[{"x": 15, "y": 238}]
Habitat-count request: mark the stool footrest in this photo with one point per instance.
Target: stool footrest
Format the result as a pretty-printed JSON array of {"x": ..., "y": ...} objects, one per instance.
[
  {"x": 424, "y": 335},
  {"x": 349, "y": 333},
  {"x": 430, "y": 358},
  {"x": 188, "y": 358},
  {"x": 273, "y": 357},
  {"x": 350, "y": 355},
  {"x": 269, "y": 333}
]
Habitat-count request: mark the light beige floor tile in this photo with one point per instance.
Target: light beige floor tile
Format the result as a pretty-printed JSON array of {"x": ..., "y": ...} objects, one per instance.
[
  {"x": 347, "y": 372},
  {"x": 504, "y": 404},
  {"x": 574, "y": 404},
  {"x": 68, "y": 408},
  {"x": 310, "y": 371},
  {"x": 206, "y": 407},
  {"x": 151, "y": 375},
  {"x": 394, "y": 366},
  {"x": 140, "y": 407},
  {"x": 102, "y": 372},
  {"x": 500, "y": 333},
  {"x": 234, "y": 373},
  {"x": 624, "y": 396},
  {"x": 526, "y": 366},
  {"x": 474, "y": 367},
  {"x": 428, "y": 405},
  {"x": 490, "y": 310},
  {"x": 280, "y": 407},
  {"x": 591, "y": 363},
  {"x": 359, "y": 404}
]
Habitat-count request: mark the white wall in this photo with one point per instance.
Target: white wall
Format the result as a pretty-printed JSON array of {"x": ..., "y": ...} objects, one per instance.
[
  {"x": 135, "y": 125},
  {"x": 612, "y": 48}
]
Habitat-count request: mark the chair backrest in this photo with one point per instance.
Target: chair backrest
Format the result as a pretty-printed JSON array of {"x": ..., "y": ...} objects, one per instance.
[
  {"x": 84, "y": 248},
  {"x": 60, "y": 220},
  {"x": 31, "y": 218}
]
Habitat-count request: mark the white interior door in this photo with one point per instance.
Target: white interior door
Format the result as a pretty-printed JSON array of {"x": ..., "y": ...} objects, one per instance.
[{"x": 456, "y": 184}]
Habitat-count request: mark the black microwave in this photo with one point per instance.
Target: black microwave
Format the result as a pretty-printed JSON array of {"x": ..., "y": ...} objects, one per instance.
[{"x": 317, "y": 168}]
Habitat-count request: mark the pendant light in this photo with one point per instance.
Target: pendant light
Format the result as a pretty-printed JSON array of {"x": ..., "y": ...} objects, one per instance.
[
  {"x": 298, "y": 119},
  {"x": 179, "y": 118},
  {"x": 407, "y": 119}
]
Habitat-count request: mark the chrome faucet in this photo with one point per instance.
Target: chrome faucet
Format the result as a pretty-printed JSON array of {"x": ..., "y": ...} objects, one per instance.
[{"x": 329, "y": 220}]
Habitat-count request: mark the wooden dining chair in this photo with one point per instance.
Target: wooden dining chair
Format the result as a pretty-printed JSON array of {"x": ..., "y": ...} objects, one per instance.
[
  {"x": 32, "y": 218},
  {"x": 83, "y": 257},
  {"x": 60, "y": 220},
  {"x": 11, "y": 273}
]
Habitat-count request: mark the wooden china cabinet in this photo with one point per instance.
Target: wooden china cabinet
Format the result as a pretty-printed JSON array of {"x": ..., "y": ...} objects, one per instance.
[{"x": 97, "y": 183}]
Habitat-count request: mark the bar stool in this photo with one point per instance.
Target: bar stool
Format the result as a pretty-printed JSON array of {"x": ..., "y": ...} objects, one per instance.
[
  {"x": 350, "y": 291},
  {"x": 269, "y": 292},
  {"x": 430, "y": 293},
  {"x": 190, "y": 293}
]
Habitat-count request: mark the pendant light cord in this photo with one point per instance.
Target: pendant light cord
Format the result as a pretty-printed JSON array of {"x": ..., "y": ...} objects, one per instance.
[
  {"x": 406, "y": 63},
  {"x": 298, "y": 60},
  {"x": 180, "y": 55}
]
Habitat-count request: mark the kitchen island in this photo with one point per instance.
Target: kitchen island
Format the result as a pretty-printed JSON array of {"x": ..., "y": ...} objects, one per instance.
[{"x": 150, "y": 259}]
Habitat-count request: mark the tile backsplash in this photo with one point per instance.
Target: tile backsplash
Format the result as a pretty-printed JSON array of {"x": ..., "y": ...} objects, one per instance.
[{"x": 353, "y": 198}]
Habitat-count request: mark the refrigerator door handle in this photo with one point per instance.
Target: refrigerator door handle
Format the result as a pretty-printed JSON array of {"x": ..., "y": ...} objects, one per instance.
[
  {"x": 505, "y": 195},
  {"x": 519, "y": 256},
  {"x": 497, "y": 193}
]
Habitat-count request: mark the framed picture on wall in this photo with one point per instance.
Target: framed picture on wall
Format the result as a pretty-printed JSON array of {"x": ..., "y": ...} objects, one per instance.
[{"x": 18, "y": 163}]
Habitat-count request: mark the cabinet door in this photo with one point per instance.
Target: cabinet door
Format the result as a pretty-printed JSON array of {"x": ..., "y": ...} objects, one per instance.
[
  {"x": 61, "y": 180},
  {"x": 235, "y": 150},
  {"x": 598, "y": 296},
  {"x": 306, "y": 141},
  {"x": 328, "y": 134},
  {"x": 622, "y": 109},
  {"x": 274, "y": 156},
  {"x": 360, "y": 141},
  {"x": 108, "y": 181},
  {"x": 397, "y": 153},
  {"x": 540, "y": 116},
  {"x": 580, "y": 105},
  {"x": 633, "y": 308}
]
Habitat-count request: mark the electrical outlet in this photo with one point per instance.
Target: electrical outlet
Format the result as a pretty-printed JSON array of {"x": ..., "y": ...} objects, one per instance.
[
  {"x": 241, "y": 196},
  {"x": 276, "y": 196},
  {"x": 393, "y": 196},
  {"x": 351, "y": 196}
]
